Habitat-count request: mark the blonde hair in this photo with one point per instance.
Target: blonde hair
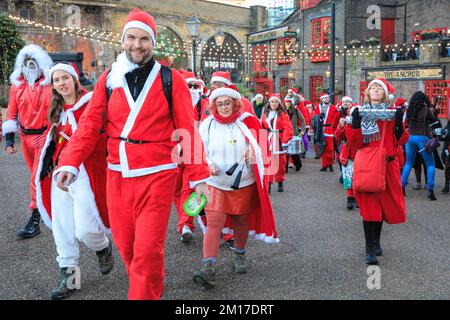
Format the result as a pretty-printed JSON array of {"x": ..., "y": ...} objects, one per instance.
[{"x": 367, "y": 95}]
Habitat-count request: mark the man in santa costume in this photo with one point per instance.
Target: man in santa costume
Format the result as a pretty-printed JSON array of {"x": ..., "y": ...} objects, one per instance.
[
  {"x": 183, "y": 190},
  {"x": 29, "y": 99},
  {"x": 326, "y": 113},
  {"x": 142, "y": 152},
  {"x": 222, "y": 79}
]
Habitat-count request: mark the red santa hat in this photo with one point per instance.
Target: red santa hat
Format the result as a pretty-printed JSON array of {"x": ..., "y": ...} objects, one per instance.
[
  {"x": 275, "y": 96},
  {"x": 387, "y": 87},
  {"x": 70, "y": 68},
  {"x": 201, "y": 83},
  {"x": 221, "y": 76},
  {"x": 324, "y": 95},
  {"x": 188, "y": 76},
  {"x": 287, "y": 99},
  {"x": 227, "y": 91},
  {"x": 346, "y": 99},
  {"x": 294, "y": 90},
  {"x": 142, "y": 20},
  {"x": 399, "y": 102}
]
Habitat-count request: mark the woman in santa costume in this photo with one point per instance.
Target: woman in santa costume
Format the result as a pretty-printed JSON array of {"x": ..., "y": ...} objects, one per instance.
[
  {"x": 346, "y": 152},
  {"x": 277, "y": 122},
  {"x": 234, "y": 140},
  {"x": 142, "y": 129},
  {"x": 183, "y": 190},
  {"x": 80, "y": 213},
  {"x": 29, "y": 99},
  {"x": 375, "y": 122},
  {"x": 327, "y": 112}
]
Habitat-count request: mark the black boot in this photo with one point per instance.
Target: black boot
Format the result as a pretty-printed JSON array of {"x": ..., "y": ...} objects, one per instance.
[
  {"x": 61, "y": 291},
  {"x": 378, "y": 250},
  {"x": 32, "y": 228},
  {"x": 331, "y": 168},
  {"x": 431, "y": 195},
  {"x": 341, "y": 179},
  {"x": 280, "y": 187},
  {"x": 370, "y": 235},
  {"x": 446, "y": 188},
  {"x": 350, "y": 203},
  {"x": 105, "y": 259},
  {"x": 323, "y": 169},
  {"x": 270, "y": 187}
]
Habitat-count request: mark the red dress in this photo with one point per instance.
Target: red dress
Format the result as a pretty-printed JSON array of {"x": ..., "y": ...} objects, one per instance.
[
  {"x": 280, "y": 133},
  {"x": 388, "y": 205}
]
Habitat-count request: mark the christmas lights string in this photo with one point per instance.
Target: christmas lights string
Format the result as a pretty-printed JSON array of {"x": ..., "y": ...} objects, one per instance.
[{"x": 261, "y": 53}]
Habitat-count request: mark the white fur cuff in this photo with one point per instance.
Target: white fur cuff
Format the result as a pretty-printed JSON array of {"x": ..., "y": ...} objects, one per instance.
[{"x": 10, "y": 126}]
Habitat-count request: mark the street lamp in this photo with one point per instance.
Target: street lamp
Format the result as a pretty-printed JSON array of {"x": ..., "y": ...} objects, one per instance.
[
  {"x": 193, "y": 26},
  {"x": 247, "y": 79},
  {"x": 291, "y": 75},
  {"x": 219, "y": 37}
]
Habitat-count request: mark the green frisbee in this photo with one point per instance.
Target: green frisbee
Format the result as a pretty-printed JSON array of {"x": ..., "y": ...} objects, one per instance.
[{"x": 191, "y": 207}]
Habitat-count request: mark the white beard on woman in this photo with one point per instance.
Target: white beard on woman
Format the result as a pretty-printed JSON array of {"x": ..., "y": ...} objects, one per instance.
[{"x": 195, "y": 95}]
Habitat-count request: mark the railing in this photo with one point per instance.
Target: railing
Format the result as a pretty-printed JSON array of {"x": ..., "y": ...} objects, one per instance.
[{"x": 412, "y": 53}]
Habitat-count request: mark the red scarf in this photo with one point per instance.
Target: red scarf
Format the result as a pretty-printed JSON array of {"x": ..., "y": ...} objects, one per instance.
[{"x": 225, "y": 120}]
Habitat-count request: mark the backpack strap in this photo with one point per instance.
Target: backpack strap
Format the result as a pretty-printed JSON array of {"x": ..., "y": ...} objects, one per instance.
[
  {"x": 199, "y": 109},
  {"x": 166, "y": 78}
]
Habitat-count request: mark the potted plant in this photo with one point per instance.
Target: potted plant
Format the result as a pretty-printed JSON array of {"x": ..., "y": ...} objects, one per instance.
[
  {"x": 373, "y": 41},
  {"x": 355, "y": 43}
]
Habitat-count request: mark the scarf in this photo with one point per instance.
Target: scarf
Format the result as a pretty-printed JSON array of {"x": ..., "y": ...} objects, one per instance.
[
  {"x": 226, "y": 120},
  {"x": 369, "y": 127}
]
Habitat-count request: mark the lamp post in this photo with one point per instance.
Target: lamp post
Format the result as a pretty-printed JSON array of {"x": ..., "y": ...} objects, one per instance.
[
  {"x": 193, "y": 26},
  {"x": 247, "y": 79},
  {"x": 219, "y": 37},
  {"x": 291, "y": 75},
  {"x": 332, "y": 50}
]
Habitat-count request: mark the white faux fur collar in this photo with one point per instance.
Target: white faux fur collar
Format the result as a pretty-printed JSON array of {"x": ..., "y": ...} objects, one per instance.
[
  {"x": 116, "y": 77},
  {"x": 245, "y": 115},
  {"x": 42, "y": 58},
  {"x": 81, "y": 102}
]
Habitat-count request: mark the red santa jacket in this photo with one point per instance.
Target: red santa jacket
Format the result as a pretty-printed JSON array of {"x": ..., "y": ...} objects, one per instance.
[
  {"x": 27, "y": 106},
  {"x": 280, "y": 129},
  {"x": 147, "y": 119},
  {"x": 247, "y": 106},
  {"x": 94, "y": 166},
  {"x": 305, "y": 113},
  {"x": 261, "y": 219},
  {"x": 328, "y": 121}
]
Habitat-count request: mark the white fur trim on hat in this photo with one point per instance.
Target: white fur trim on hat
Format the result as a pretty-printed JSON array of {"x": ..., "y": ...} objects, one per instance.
[
  {"x": 224, "y": 92},
  {"x": 347, "y": 98},
  {"x": 381, "y": 83},
  {"x": 221, "y": 79},
  {"x": 391, "y": 96},
  {"x": 324, "y": 95},
  {"x": 191, "y": 80},
  {"x": 64, "y": 67},
  {"x": 42, "y": 59},
  {"x": 275, "y": 98},
  {"x": 140, "y": 25},
  {"x": 259, "y": 95}
]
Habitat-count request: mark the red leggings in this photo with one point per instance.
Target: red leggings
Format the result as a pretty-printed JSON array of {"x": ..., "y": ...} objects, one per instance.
[
  {"x": 182, "y": 193},
  {"x": 216, "y": 222}
]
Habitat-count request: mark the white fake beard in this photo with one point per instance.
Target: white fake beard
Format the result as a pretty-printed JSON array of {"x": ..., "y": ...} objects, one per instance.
[
  {"x": 31, "y": 75},
  {"x": 195, "y": 95}
]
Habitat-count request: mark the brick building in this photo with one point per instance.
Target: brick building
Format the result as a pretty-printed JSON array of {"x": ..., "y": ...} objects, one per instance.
[
  {"x": 105, "y": 20},
  {"x": 393, "y": 39}
]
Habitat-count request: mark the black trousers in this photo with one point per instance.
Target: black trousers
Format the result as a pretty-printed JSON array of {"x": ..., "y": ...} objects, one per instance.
[{"x": 297, "y": 161}]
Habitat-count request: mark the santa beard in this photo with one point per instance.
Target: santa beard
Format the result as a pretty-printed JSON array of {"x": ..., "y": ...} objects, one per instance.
[
  {"x": 195, "y": 95},
  {"x": 31, "y": 73}
]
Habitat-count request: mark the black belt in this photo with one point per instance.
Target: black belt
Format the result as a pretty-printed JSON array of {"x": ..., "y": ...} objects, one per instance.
[
  {"x": 32, "y": 131},
  {"x": 132, "y": 141}
]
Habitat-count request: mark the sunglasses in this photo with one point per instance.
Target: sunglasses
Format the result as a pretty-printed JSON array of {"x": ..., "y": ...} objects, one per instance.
[{"x": 195, "y": 86}]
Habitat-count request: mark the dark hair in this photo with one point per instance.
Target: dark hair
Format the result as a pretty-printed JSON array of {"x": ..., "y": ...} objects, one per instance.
[
  {"x": 417, "y": 102},
  {"x": 280, "y": 109}
]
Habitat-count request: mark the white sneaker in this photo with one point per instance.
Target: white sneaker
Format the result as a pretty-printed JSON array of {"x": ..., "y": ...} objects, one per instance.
[{"x": 186, "y": 234}]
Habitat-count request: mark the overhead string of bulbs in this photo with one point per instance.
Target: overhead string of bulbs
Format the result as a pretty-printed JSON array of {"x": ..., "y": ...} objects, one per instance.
[{"x": 232, "y": 52}]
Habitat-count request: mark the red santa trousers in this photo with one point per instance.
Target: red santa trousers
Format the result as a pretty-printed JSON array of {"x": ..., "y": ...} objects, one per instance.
[
  {"x": 31, "y": 148},
  {"x": 139, "y": 210},
  {"x": 328, "y": 153},
  {"x": 388, "y": 205},
  {"x": 182, "y": 193},
  {"x": 280, "y": 175}
]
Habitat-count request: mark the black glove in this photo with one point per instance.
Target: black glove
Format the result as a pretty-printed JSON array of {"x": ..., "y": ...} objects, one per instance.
[
  {"x": 356, "y": 119},
  {"x": 399, "y": 124},
  {"x": 9, "y": 139}
]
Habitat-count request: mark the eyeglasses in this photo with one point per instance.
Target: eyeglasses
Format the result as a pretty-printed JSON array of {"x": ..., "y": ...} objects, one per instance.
[
  {"x": 190, "y": 85},
  {"x": 224, "y": 104}
]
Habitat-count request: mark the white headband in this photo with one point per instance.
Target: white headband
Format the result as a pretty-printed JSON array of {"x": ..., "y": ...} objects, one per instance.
[{"x": 64, "y": 67}]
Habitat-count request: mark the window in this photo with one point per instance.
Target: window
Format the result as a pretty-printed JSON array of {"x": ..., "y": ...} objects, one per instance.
[
  {"x": 438, "y": 91},
  {"x": 320, "y": 32},
  {"x": 362, "y": 91},
  {"x": 260, "y": 54},
  {"x": 285, "y": 50},
  {"x": 24, "y": 13},
  {"x": 316, "y": 88},
  {"x": 284, "y": 86}
]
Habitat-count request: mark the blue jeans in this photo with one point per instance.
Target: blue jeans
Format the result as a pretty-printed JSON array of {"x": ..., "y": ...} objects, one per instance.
[{"x": 417, "y": 143}]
